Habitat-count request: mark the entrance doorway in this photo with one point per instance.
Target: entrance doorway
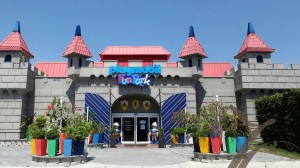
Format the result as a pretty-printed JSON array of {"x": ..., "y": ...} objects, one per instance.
[{"x": 135, "y": 127}]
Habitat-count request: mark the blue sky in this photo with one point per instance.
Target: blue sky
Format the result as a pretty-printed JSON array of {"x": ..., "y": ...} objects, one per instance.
[{"x": 220, "y": 26}]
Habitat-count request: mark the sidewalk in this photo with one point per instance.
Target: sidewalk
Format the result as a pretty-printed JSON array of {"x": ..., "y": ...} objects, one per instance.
[{"x": 140, "y": 158}]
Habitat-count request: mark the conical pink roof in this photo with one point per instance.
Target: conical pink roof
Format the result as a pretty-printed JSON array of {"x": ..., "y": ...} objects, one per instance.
[
  {"x": 15, "y": 42},
  {"x": 253, "y": 43},
  {"x": 77, "y": 46},
  {"x": 192, "y": 46}
]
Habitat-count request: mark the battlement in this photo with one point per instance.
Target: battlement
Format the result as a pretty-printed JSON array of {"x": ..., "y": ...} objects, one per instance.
[
  {"x": 18, "y": 76},
  {"x": 265, "y": 76}
]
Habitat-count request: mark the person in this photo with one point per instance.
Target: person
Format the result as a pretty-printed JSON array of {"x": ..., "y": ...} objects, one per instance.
[
  {"x": 118, "y": 133},
  {"x": 153, "y": 133}
]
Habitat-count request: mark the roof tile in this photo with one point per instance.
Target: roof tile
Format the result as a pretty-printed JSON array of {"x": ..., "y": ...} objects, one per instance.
[
  {"x": 15, "y": 42},
  {"x": 192, "y": 46}
]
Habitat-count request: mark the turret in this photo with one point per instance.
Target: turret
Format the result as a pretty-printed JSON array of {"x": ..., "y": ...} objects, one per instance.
[
  {"x": 192, "y": 52},
  {"x": 13, "y": 48},
  {"x": 254, "y": 49},
  {"x": 77, "y": 51}
]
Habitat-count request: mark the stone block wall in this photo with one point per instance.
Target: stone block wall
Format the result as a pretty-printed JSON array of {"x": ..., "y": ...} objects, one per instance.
[
  {"x": 16, "y": 98},
  {"x": 208, "y": 88},
  {"x": 46, "y": 88}
]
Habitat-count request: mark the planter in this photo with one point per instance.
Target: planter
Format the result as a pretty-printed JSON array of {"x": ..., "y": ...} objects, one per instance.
[
  {"x": 215, "y": 145},
  {"x": 112, "y": 141},
  {"x": 62, "y": 137},
  {"x": 175, "y": 139},
  {"x": 161, "y": 141},
  {"x": 181, "y": 138},
  {"x": 28, "y": 137},
  {"x": 67, "y": 149},
  {"x": 101, "y": 135},
  {"x": 242, "y": 144},
  {"x": 196, "y": 144},
  {"x": 52, "y": 147},
  {"x": 78, "y": 147},
  {"x": 204, "y": 144},
  {"x": 33, "y": 146},
  {"x": 57, "y": 145},
  {"x": 41, "y": 145},
  {"x": 91, "y": 138},
  {"x": 223, "y": 141},
  {"x": 96, "y": 138},
  {"x": 231, "y": 145}
]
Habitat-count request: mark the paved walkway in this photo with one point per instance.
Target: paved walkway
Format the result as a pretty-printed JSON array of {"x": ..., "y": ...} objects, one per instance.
[{"x": 140, "y": 158}]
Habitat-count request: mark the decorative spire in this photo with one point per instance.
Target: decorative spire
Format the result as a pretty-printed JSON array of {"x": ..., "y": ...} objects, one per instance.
[
  {"x": 253, "y": 43},
  {"x": 250, "y": 28},
  {"x": 191, "y": 33},
  {"x": 78, "y": 31},
  {"x": 77, "y": 46},
  {"x": 17, "y": 27},
  {"x": 192, "y": 46}
]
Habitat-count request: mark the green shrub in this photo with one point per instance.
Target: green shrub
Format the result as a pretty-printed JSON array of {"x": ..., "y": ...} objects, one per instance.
[
  {"x": 285, "y": 109},
  {"x": 52, "y": 132}
]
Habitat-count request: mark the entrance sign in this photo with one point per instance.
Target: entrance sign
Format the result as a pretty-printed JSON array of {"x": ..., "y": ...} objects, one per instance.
[
  {"x": 134, "y": 70},
  {"x": 138, "y": 76}
]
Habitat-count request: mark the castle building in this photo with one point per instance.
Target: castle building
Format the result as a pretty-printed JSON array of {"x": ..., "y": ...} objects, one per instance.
[{"x": 134, "y": 85}]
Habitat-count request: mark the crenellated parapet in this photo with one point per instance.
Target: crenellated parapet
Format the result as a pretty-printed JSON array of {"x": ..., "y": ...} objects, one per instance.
[{"x": 265, "y": 76}]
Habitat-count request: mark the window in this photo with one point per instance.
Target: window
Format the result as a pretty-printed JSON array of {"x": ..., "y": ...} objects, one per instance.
[
  {"x": 80, "y": 62},
  {"x": 243, "y": 60},
  {"x": 7, "y": 58},
  {"x": 259, "y": 59},
  {"x": 190, "y": 63},
  {"x": 199, "y": 63},
  {"x": 71, "y": 62}
]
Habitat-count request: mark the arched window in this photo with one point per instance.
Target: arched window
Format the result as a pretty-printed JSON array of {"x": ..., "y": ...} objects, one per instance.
[
  {"x": 259, "y": 59},
  {"x": 7, "y": 58},
  {"x": 199, "y": 63},
  {"x": 80, "y": 62},
  {"x": 71, "y": 62},
  {"x": 190, "y": 63}
]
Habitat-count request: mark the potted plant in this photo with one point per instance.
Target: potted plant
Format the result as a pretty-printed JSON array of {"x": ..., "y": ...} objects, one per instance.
[
  {"x": 174, "y": 135},
  {"x": 80, "y": 133},
  {"x": 180, "y": 132},
  {"x": 112, "y": 137},
  {"x": 52, "y": 135},
  {"x": 230, "y": 139},
  {"x": 203, "y": 134},
  {"x": 243, "y": 132},
  {"x": 193, "y": 125},
  {"x": 33, "y": 127},
  {"x": 99, "y": 133},
  {"x": 161, "y": 138},
  {"x": 68, "y": 141},
  {"x": 39, "y": 132},
  {"x": 229, "y": 124},
  {"x": 215, "y": 131}
]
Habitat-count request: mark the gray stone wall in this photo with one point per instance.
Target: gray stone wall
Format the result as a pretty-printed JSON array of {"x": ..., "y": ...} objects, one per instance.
[
  {"x": 16, "y": 98},
  {"x": 46, "y": 88},
  {"x": 208, "y": 88},
  {"x": 255, "y": 80}
]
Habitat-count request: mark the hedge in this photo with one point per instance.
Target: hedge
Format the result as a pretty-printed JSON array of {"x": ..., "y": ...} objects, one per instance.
[{"x": 285, "y": 108}]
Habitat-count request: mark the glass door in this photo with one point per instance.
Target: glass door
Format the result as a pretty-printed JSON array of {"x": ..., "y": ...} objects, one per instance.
[
  {"x": 128, "y": 129},
  {"x": 142, "y": 129}
]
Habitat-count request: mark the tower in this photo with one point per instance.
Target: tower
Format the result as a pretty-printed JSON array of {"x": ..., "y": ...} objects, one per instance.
[
  {"x": 13, "y": 48},
  {"x": 254, "y": 49},
  {"x": 192, "y": 52},
  {"x": 77, "y": 51}
]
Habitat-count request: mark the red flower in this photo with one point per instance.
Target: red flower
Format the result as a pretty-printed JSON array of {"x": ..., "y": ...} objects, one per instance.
[{"x": 50, "y": 107}]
